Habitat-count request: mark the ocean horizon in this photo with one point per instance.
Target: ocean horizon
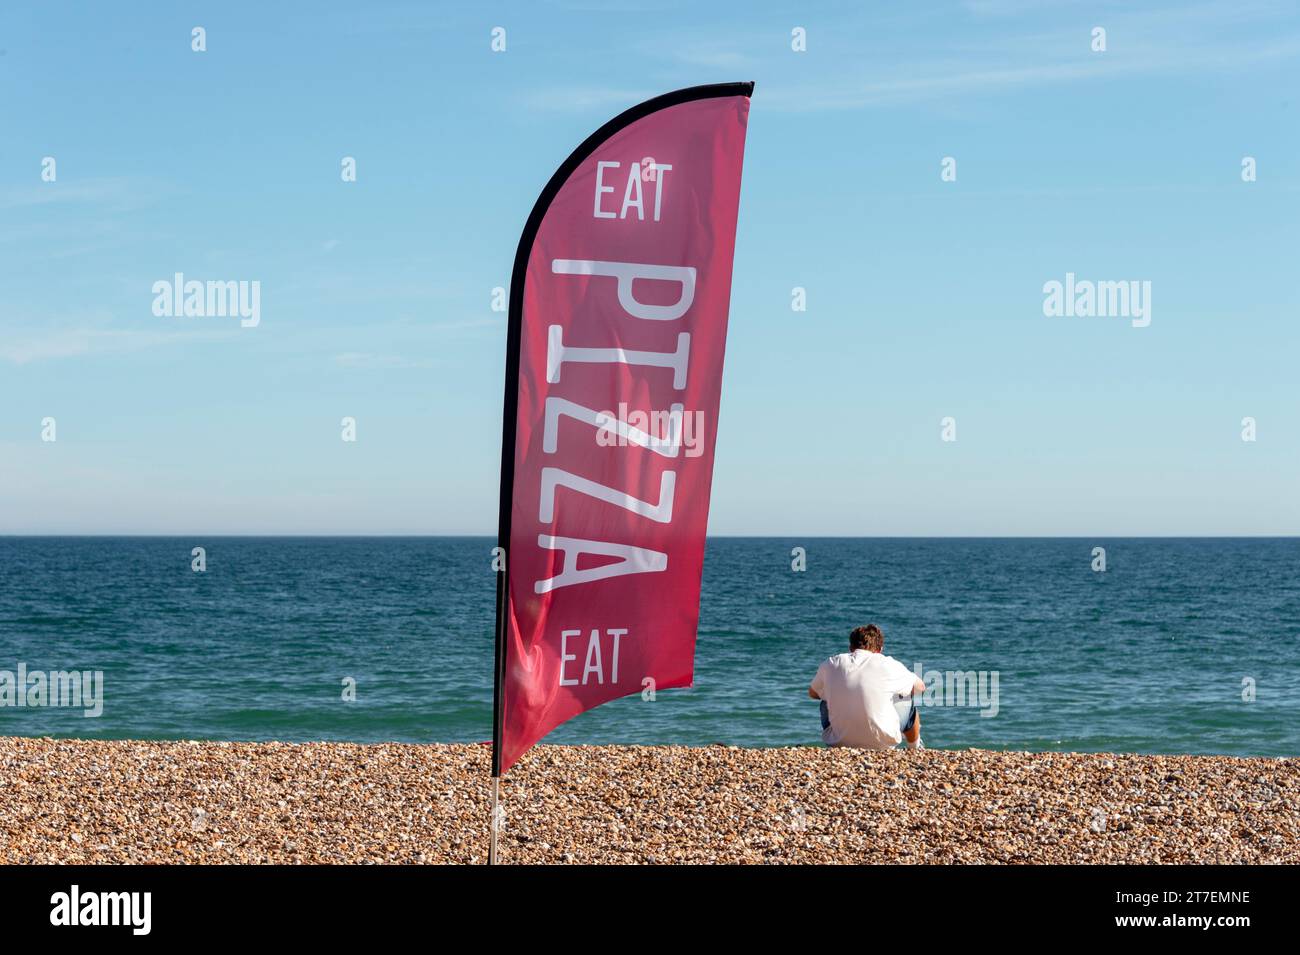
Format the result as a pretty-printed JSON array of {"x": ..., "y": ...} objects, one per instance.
[{"x": 1180, "y": 645}]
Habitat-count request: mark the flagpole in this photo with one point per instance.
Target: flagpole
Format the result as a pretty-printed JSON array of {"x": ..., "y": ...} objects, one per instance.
[
  {"x": 505, "y": 503},
  {"x": 496, "y": 820},
  {"x": 503, "y": 609},
  {"x": 498, "y": 691}
]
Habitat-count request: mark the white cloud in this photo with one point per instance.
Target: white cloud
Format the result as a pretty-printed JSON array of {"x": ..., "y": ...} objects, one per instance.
[
  {"x": 75, "y": 342},
  {"x": 117, "y": 194},
  {"x": 581, "y": 99},
  {"x": 366, "y": 361},
  {"x": 1028, "y": 62}
]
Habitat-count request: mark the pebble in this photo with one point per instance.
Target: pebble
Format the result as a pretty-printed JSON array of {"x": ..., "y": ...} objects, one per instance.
[{"x": 95, "y": 802}]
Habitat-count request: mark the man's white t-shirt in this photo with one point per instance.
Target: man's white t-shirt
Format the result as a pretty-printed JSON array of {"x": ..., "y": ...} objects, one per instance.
[{"x": 859, "y": 689}]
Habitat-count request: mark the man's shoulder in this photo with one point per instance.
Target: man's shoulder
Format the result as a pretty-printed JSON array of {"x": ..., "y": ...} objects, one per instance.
[{"x": 895, "y": 664}]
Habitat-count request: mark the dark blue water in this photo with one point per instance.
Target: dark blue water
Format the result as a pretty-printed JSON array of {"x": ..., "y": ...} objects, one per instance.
[{"x": 1149, "y": 656}]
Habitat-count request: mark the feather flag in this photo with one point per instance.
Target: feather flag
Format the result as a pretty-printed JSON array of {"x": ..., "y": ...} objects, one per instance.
[{"x": 618, "y": 323}]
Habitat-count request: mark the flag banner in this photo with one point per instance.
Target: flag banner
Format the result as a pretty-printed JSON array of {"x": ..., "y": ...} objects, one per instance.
[{"x": 618, "y": 323}]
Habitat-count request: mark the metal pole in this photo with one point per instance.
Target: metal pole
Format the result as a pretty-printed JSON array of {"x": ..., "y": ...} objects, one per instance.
[
  {"x": 498, "y": 698},
  {"x": 496, "y": 819}
]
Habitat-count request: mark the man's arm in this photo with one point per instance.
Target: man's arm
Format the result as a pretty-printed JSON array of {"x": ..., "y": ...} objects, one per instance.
[
  {"x": 908, "y": 682},
  {"x": 819, "y": 681}
]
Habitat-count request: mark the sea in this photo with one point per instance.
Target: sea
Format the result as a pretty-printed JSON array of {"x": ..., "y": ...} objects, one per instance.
[{"x": 1178, "y": 645}]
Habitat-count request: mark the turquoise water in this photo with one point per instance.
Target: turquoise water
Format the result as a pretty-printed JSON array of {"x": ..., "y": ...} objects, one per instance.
[{"x": 1149, "y": 656}]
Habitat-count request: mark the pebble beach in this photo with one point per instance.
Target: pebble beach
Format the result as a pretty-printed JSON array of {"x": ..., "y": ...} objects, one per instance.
[{"x": 79, "y": 801}]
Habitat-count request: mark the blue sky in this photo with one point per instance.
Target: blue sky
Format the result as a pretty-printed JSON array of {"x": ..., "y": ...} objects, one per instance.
[{"x": 924, "y": 296}]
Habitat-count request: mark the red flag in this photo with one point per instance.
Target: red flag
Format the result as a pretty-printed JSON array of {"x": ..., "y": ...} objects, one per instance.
[{"x": 618, "y": 322}]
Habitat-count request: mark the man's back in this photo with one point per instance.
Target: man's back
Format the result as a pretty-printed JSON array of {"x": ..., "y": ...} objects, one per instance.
[{"x": 859, "y": 688}]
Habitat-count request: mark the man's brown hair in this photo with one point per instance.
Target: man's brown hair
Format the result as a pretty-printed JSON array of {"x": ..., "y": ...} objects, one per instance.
[{"x": 869, "y": 637}]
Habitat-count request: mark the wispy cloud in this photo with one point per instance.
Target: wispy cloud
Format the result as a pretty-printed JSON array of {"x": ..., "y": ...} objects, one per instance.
[
  {"x": 715, "y": 57},
  {"x": 1196, "y": 41},
  {"x": 80, "y": 341},
  {"x": 366, "y": 361},
  {"x": 417, "y": 335},
  {"x": 581, "y": 99},
  {"x": 1004, "y": 46},
  {"x": 117, "y": 194}
]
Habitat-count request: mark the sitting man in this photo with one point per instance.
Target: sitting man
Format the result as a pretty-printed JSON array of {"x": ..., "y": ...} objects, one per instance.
[{"x": 857, "y": 690}]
